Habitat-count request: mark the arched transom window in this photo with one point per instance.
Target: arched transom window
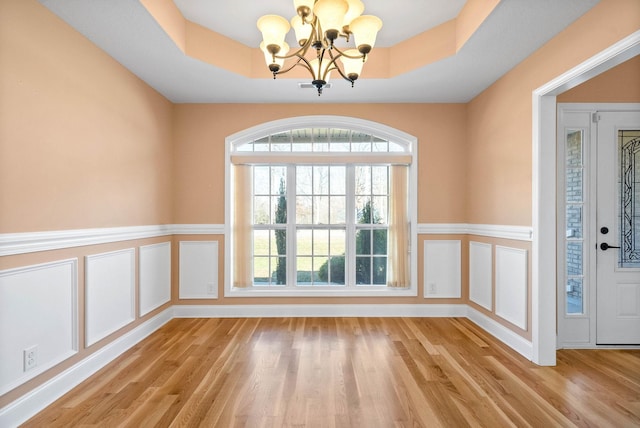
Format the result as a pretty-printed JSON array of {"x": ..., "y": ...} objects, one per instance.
[{"x": 320, "y": 209}]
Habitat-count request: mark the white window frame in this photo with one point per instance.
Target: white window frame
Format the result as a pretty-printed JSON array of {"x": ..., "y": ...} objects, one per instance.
[{"x": 353, "y": 124}]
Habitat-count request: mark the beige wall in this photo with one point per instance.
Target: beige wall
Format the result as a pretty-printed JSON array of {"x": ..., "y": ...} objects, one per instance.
[
  {"x": 200, "y": 132},
  {"x": 500, "y": 119},
  {"x": 83, "y": 142},
  {"x": 621, "y": 84}
]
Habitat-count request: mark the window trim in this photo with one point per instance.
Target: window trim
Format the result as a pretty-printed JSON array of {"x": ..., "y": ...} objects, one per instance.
[{"x": 343, "y": 122}]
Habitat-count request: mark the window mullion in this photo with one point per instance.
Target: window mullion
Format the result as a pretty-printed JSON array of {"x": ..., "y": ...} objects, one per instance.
[
  {"x": 350, "y": 250},
  {"x": 291, "y": 226}
]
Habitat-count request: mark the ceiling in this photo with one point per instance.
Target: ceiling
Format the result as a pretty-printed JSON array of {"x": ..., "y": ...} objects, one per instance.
[{"x": 126, "y": 31}]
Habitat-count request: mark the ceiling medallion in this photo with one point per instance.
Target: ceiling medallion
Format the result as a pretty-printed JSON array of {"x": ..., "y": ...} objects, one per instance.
[{"x": 317, "y": 25}]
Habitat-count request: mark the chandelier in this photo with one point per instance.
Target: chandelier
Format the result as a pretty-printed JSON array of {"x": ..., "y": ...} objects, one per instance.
[{"x": 317, "y": 25}]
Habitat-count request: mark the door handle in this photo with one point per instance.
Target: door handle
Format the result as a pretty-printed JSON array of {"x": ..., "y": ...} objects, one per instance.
[{"x": 604, "y": 246}]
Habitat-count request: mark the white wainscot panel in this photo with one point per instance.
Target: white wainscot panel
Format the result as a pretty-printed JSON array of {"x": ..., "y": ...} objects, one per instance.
[
  {"x": 480, "y": 274},
  {"x": 155, "y": 276},
  {"x": 442, "y": 266},
  {"x": 110, "y": 293},
  {"x": 198, "y": 269},
  {"x": 38, "y": 314},
  {"x": 511, "y": 285}
]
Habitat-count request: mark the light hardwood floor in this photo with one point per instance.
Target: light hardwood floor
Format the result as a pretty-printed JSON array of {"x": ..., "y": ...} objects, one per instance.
[{"x": 347, "y": 372}]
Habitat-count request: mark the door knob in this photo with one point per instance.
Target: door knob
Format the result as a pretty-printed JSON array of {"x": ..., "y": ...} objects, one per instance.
[{"x": 604, "y": 246}]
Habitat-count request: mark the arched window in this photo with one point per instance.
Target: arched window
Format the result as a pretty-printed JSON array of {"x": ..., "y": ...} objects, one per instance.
[{"x": 321, "y": 206}]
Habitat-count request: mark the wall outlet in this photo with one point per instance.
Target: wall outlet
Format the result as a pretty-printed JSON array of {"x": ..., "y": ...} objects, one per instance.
[
  {"x": 30, "y": 356},
  {"x": 432, "y": 288},
  {"x": 211, "y": 288}
]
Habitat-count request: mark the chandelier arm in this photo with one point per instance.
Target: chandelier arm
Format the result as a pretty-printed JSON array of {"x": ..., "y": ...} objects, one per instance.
[
  {"x": 336, "y": 67},
  {"x": 302, "y": 62},
  {"x": 348, "y": 56}
]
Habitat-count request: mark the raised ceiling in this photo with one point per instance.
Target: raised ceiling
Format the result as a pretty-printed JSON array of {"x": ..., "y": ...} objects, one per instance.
[{"x": 513, "y": 30}]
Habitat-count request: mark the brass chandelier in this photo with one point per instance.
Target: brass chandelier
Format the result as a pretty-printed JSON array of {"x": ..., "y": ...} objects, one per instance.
[{"x": 317, "y": 25}]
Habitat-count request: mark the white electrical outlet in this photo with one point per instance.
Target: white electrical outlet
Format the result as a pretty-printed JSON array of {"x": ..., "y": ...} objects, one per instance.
[
  {"x": 211, "y": 288},
  {"x": 30, "y": 356},
  {"x": 432, "y": 288}
]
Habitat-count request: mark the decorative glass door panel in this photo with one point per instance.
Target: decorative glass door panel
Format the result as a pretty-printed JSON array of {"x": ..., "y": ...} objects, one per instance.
[{"x": 629, "y": 211}]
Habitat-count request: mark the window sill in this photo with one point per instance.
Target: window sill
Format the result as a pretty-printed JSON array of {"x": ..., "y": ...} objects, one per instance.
[{"x": 321, "y": 292}]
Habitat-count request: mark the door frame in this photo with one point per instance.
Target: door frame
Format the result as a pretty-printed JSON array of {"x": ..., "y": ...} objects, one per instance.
[
  {"x": 544, "y": 191},
  {"x": 579, "y": 331}
]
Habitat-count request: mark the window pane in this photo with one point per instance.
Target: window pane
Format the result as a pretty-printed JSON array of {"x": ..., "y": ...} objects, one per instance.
[
  {"x": 363, "y": 270},
  {"x": 304, "y": 180},
  {"x": 380, "y": 145},
  {"x": 336, "y": 270},
  {"x": 380, "y": 241},
  {"x": 379, "y": 215},
  {"x": 320, "y": 147},
  {"x": 574, "y": 185},
  {"x": 261, "y": 180},
  {"x": 337, "y": 244},
  {"x": 278, "y": 180},
  {"x": 574, "y": 221},
  {"x": 339, "y": 140},
  {"x": 363, "y": 180},
  {"x": 321, "y": 180},
  {"x": 360, "y": 142},
  {"x": 379, "y": 271},
  {"x": 395, "y": 147},
  {"x": 574, "y": 148},
  {"x": 629, "y": 198},
  {"x": 337, "y": 180},
  {"x": 318, "y": 262},
  {"x": 363, "y": 242},
  {"x": 337, "y": 210},
  {"x": 302, "y": 135},
  {"x": 574, "y": 296},
  {"x": 302, "y": 147},
  {"x": 261, "y": 270},
  {"x": 279, "y": 275},
  {"x": 281, "y": 138},
  {"x": 303, "y": 210},
  {"x": 261, "y": 145},
  {"x": 304, "y": 242},
  {"x": 363, "y": 210},
  {"x": 320, "y": 210},
  {"x": 321, "y": 135},
  {"x": 574, "y": 258},
  {"x": 279, "y": 242},
  {"x": 320, "y": 242},
  {"x": 380, "y": 180},
  {"x": 261, "y": 210},
  {"x": 261, "y": 242},
  {"x": 279, "y": 209},
  {"x": 304, "y": 269}
]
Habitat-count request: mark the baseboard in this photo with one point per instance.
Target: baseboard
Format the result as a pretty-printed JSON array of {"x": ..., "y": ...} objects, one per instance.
[
  {"x": 373, "y": 310},
  {"x": 500, "y": 332},
  {"x": 34, "y": 401}
]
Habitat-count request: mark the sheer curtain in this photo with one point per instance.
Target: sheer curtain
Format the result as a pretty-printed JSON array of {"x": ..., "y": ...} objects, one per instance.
[
  {"x": 242, "y": 271},
  {"x": 398, "y": 235}
]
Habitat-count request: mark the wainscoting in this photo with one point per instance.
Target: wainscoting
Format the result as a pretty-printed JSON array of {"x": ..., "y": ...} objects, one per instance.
[
  {"x": 38, "y": 314},
  {"x": 109, "y": 293},
  {"x": 115, "y": 291}
]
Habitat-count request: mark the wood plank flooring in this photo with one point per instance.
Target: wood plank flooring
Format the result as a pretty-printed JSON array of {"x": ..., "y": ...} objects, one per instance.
[{"x": 347, "y": 372}]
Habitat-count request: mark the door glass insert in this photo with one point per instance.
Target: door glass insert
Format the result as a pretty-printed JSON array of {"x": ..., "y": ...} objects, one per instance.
[
  {"x": 629, "y": 195},
  {"x": 574, "y": 221}
]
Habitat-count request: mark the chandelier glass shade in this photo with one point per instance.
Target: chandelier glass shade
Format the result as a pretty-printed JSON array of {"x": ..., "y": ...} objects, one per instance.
[{"x": 317, "y": 25}]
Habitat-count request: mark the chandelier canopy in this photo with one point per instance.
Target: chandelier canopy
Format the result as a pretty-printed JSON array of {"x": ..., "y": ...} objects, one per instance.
[{"x": 317, "y": 25}]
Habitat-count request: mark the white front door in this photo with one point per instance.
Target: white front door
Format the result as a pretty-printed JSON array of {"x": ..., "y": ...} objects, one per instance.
[{"x": 618, "y": 228}]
